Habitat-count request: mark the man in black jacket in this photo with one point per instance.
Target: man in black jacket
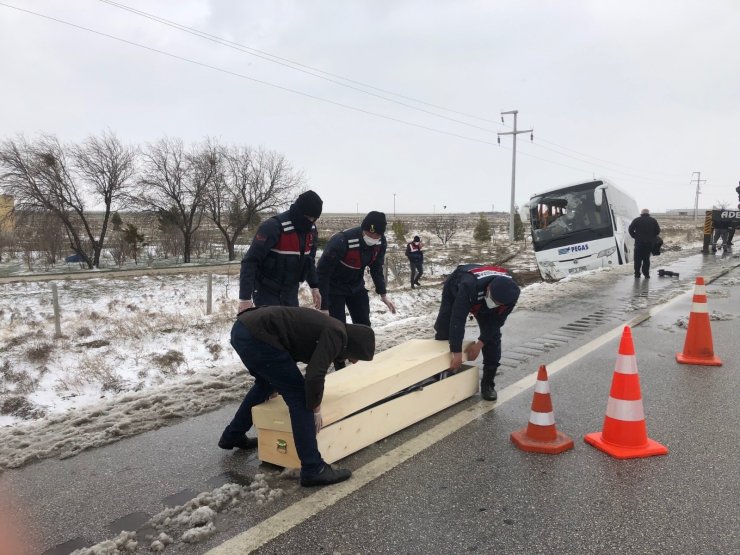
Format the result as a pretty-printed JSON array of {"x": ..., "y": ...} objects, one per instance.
[
  {"x": 269, "y": 340},
  {"x": 489, "y": 293},
  {"x": 341, "y": 270},
  {"x": 415, "y": 254},
  {"x": 644, "y": 230},
  {"x": 281, "y": 256}
]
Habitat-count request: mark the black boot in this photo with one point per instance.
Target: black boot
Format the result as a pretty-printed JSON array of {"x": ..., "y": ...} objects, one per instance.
[{"x": 487, "y": 386}]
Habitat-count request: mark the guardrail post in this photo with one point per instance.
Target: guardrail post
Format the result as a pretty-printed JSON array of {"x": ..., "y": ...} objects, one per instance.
[
  {"x": 57, "y": 312},
  {"x": 209, "y": 294}
]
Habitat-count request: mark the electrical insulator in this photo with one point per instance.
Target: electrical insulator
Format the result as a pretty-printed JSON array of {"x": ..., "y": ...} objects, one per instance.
[
  {"x": 531, "y": 136},
  {"x": 499, "y": 140}
]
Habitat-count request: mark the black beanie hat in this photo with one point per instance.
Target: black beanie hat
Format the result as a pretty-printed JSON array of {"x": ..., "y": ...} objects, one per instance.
[
  {"x": 360, "y": 341},
  {"x": 417, "y": 239},
  {"x": 374, "y": 222},
  {"x": 309, "y": 204},
  {"x": 504, "y": 290}
]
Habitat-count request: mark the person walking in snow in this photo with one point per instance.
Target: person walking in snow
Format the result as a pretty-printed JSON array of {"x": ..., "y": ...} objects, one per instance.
[
  {"x": 415, "y": 254},
  {"x": 269, "y": 340},
  {"x": 489, "y": 293},
  {"x": 281, "y": 256},
  {"x": 341, "y": 271},
  {"x": 644, "y": 230}
]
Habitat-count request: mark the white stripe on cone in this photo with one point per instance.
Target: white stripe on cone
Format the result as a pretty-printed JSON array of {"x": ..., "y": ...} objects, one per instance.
[
  {"x": 626, "y": 364},
  {"x": 699, "y": 307},
  {"x": 700, "y": 290},
  {"x": 542, "y": 418},
  {"x": 542, "y": 386},
  {"x": 629, "y": 411}
]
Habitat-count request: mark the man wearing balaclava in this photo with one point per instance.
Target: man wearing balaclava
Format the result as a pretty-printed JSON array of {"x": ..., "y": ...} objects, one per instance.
[
  {"x": 489, "y": 293},
  {"x": 281, "y": 256},
  {"x": 341, "y": 271}
]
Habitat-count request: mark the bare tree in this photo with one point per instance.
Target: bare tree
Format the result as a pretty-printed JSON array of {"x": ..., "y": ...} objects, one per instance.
[
  {"x": 48, "y": 176},
  {"x": 248, "y": 183},
  {"x": 444, "y": 226},
  {"x": 107, "y": 167},
  {"x": 175, "y": 184}
]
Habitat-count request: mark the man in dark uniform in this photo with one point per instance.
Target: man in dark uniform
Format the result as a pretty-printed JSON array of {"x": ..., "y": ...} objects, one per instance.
[
  {"x": 341, "y": 270},
  {"x": 644, "y": 230},
  {"x": 415, "y": 255},
  {"x": 270, "y": 340},
  {"x": 281, "y": 256},
  {"x": 489, "y": 293}
]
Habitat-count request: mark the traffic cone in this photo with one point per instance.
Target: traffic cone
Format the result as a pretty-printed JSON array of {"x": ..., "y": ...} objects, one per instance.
[
  {"x": 625, "y": 434},
  {"x": 540, "y": 435},
  {"x": 699, "y": 348}
]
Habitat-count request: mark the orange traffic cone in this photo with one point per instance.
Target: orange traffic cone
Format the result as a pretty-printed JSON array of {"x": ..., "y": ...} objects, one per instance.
[
  {"x": 540, "y": 435},
  {"x": 699, "y": 348},
  {"x": 625, "y": 433}
]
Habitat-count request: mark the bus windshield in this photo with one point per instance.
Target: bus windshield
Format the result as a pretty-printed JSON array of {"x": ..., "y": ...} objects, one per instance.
[{"x": 568, "y": 216}]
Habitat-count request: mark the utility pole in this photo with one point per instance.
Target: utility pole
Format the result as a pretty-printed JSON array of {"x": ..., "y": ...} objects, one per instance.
[
  {"x": 394, "y": 205},
  {"x": 699, "y": 181},
  {"x": 514, "y": 133}
]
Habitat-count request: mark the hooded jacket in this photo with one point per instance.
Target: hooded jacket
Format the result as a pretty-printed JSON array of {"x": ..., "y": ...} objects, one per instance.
[
  {"x": 309, "y": 336},
  {"x": 279, "y": 258}
]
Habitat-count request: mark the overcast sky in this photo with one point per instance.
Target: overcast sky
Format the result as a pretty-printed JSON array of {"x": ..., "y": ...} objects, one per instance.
[{"x": 641, "y": 92}]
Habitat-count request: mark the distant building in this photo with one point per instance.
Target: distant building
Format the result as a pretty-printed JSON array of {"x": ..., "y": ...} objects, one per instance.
[
  {"x": 7, "y": 218},
  {"x": 684, "y": 211}
]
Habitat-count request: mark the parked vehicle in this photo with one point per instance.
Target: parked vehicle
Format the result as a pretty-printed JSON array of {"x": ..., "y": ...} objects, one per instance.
[{"x": 580, "y": 227}]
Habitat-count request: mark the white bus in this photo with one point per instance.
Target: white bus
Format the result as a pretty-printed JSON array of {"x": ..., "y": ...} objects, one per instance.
[{"x": 580, "y": 227}]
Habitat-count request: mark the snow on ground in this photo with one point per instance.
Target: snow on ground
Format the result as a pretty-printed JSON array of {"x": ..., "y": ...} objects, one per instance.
[{"x": 139, "y": 353}]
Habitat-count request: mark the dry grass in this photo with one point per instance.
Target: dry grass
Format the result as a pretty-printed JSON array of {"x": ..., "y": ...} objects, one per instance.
[
  {"x": 19, "y": 406},
  {"x": 91, "y": 370},
  {"x": 169, "y": 362},
  {"x": 40, "y": 352},
  {"x": 214, "y": 348}
]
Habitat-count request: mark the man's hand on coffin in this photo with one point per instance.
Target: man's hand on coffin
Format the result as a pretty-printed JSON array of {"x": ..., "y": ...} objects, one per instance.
[
  {"x": 473, "y": 350},
  {"x": 456, "y": 361},
  {"x": 318, "y": 422}
]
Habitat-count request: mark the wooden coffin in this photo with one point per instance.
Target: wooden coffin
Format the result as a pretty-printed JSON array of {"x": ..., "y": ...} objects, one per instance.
[{"x": 353, "y": 414}]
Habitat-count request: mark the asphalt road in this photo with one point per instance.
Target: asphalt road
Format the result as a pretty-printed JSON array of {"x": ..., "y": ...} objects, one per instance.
[{"x": 469, "y": 489}]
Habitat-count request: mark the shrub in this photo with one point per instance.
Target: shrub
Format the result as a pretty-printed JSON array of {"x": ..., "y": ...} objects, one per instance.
[
  {"x": 169, "y": 362},
  {"x": 40, "y": 352},
  {"x": 18, "y": 405},
  {"x": 482, "y": 231}
]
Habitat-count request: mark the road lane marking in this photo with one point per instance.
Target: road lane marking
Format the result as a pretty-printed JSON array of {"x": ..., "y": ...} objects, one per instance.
[{"x": 269, "y": 529}]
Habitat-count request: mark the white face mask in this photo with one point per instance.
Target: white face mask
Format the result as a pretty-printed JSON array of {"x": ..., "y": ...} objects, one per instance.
[
  {"x": 369, "y": 241},
  {"x": 490, "y": 303}
]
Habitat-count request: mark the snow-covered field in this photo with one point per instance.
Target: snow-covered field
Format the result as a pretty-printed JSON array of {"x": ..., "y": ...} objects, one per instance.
[{"x": 138, "y": 353}]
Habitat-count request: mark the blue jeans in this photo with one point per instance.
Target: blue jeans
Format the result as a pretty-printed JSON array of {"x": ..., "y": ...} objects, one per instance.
[{"x": 274, "y": 370}]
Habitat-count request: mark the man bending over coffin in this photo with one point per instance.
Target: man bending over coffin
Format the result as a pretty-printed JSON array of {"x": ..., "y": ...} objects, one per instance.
[
  {"x": 489, "y": 293},
  {"x": 270, "y": 340}
]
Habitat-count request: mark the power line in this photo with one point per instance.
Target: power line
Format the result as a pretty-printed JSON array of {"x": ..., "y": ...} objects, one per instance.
[
  {"x": 315, "y": 72},
  {"x": 243, "y": 76},
  {"x": 332, "y": 78},
  {"x": 294, "y": 91}
]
